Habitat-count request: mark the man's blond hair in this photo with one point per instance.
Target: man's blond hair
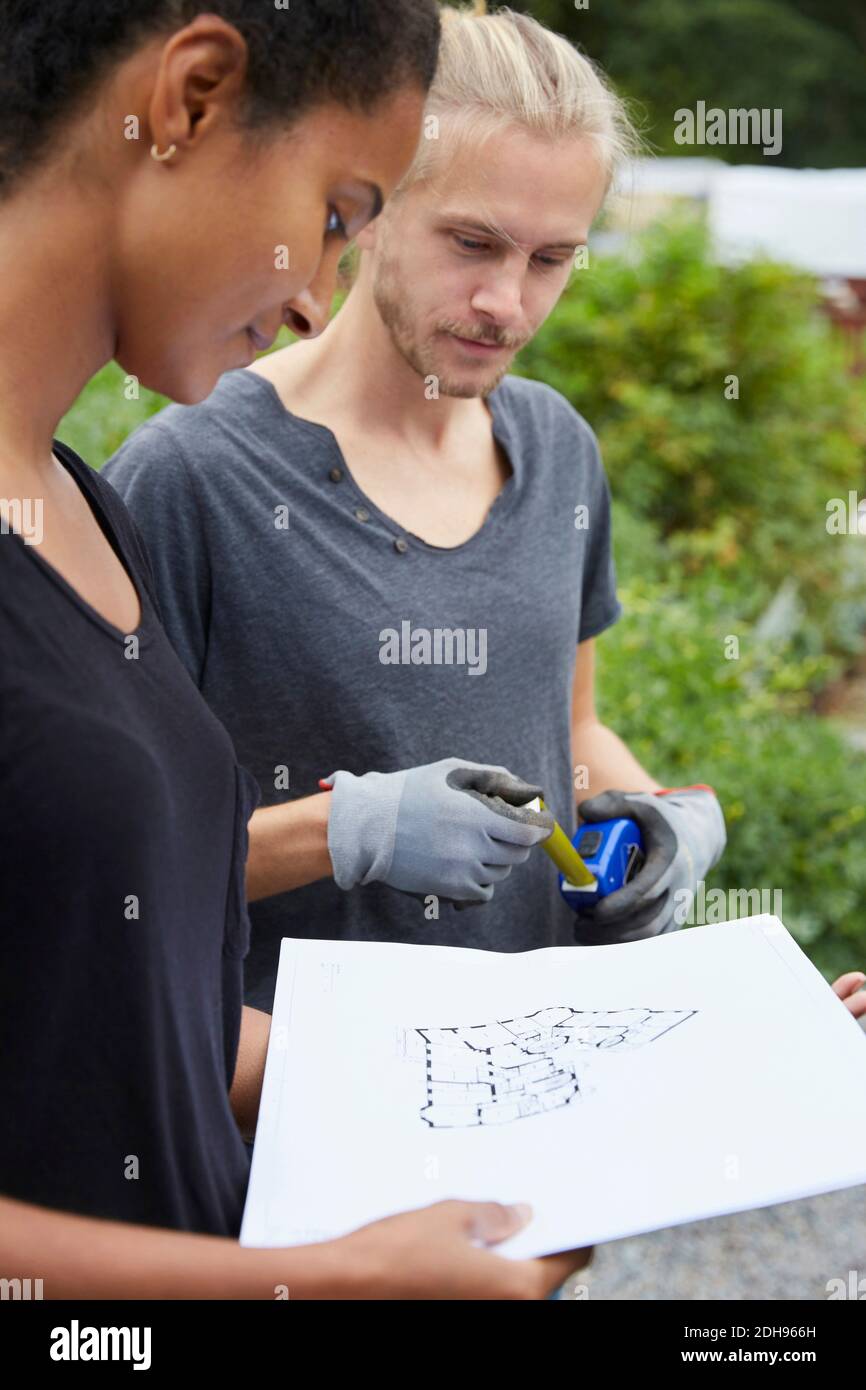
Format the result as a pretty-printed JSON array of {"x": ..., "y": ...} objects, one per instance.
[{"x": 504, "y": 69}]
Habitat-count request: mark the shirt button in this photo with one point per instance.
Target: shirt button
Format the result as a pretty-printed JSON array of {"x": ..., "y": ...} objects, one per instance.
[
  {"x": 362, "y": 514},
  {"x": 336, "y": 475},
  {"x": 401, "y": 546}
]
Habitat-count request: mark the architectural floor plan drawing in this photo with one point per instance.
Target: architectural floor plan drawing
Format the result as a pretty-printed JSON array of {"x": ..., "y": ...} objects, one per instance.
[
  {"x": 606, "y": 1118},
  {"x": 492, "y": 1073}
]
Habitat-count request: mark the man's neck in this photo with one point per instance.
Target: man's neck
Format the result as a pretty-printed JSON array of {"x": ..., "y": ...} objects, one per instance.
[
  {"x": 354, "y": 373},
  {"x": 432, "y": 466}
]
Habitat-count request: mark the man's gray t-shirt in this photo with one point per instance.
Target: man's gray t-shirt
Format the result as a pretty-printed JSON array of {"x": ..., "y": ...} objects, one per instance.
[{"x": 325, "y": 636}]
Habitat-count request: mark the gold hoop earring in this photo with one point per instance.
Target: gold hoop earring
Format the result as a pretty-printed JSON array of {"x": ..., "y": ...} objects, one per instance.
[{"x": 155, "y": 154}]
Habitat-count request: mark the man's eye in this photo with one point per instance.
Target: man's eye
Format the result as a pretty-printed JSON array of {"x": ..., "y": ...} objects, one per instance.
[
  {"x": 335, "y": 226},
  {"x": 468, "y": 244},
  {"x": 552, "y": 261}
]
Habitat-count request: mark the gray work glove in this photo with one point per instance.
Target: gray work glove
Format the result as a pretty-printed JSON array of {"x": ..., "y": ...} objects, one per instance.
[
  {"x": 684, "y": 837},
  {"x": 452, "y": 828}
]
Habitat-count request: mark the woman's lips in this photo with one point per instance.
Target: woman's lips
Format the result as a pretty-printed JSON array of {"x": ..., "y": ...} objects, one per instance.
[{"x": 260, "y": 342}]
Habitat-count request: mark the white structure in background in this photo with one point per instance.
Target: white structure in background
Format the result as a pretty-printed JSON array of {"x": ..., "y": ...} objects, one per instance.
[{"x": 811, "y": 218}]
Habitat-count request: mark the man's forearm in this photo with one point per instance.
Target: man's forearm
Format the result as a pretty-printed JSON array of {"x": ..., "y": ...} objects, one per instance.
[
  {"x": 288, "y": 846},
  {"x": 79, "y": 1257},
  {"x": 609, "y": 763}
]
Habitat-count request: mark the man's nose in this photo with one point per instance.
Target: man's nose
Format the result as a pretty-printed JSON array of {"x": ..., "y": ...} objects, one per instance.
[{"x": 501, "y": 296}]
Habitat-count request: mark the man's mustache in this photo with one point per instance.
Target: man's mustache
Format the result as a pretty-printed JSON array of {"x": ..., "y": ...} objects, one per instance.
[{"x": 501, "y": 338}]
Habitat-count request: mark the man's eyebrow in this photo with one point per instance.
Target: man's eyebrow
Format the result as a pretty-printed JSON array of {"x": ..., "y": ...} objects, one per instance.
[
  {"x": 473, "y": 225},
  {"x": 487, "y": 229}
]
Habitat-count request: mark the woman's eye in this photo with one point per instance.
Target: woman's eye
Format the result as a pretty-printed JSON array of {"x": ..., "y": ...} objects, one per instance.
[{"x": 335, "y": 226}]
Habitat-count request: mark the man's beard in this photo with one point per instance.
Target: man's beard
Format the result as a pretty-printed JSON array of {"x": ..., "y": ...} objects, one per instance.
[{"x": 421, "y": 356}]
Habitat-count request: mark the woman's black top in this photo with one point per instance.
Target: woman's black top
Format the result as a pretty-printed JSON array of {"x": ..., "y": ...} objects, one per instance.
[{"x": 123, "y": 922}]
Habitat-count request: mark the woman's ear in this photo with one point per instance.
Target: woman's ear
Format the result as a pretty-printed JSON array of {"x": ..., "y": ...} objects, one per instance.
[{"x": 201, "y": 70}]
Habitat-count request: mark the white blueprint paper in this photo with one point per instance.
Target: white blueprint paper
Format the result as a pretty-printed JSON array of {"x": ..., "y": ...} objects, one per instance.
[{"x": 617, "y": 1089}]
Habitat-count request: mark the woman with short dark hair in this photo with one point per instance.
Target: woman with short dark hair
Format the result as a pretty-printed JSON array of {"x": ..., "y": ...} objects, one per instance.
[{"x": 177, "y": 180}]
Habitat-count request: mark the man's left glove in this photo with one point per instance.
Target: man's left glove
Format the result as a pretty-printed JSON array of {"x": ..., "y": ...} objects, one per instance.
[{"x": 684, "y": 836}]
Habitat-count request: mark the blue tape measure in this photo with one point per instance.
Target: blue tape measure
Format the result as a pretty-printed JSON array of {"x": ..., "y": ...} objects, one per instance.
[{"x": 613, "y": 852}]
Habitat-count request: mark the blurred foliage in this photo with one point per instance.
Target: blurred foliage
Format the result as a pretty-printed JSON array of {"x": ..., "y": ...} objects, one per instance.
[
  {"x": 642, "y": 345},
  {"x": 717, "y": 504},
  {"x": 806, "y": 57},
  {"x": 104, "y": 414},
  {"x": 792, "y": 789}
]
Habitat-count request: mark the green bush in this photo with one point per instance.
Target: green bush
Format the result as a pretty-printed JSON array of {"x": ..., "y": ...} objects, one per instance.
[
  {"x": 791, "y": 787},
  {"x": 642, "y": 346},
  {"x": 105, "y": 413}
]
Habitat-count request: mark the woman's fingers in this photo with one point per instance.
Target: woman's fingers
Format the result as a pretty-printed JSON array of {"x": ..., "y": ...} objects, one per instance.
[{"x": 492, "y": 1222}]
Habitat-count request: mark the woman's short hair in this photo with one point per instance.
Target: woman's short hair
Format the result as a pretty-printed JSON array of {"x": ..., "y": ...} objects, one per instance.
[{"x": 300, "y": 54}]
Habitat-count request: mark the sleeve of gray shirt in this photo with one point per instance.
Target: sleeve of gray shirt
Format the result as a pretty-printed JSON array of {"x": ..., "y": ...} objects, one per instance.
[
  {"x": 600, "y": 608},
  {"x": 151, "y": 475}
]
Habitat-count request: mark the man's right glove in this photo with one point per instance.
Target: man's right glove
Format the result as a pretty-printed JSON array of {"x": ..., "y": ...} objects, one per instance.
[{"x": 452, "y": 828}]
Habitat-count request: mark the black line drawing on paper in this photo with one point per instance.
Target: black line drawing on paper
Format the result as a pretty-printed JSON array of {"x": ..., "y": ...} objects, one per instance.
[{"x": 492, "y": 1073}]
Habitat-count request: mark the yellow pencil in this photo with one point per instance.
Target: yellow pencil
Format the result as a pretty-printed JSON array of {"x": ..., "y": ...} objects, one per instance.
[{"x": 562, "y": 852}]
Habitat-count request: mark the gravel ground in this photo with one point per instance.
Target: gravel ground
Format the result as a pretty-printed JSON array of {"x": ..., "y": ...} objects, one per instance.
[{"x": 784, "y": 1252}]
